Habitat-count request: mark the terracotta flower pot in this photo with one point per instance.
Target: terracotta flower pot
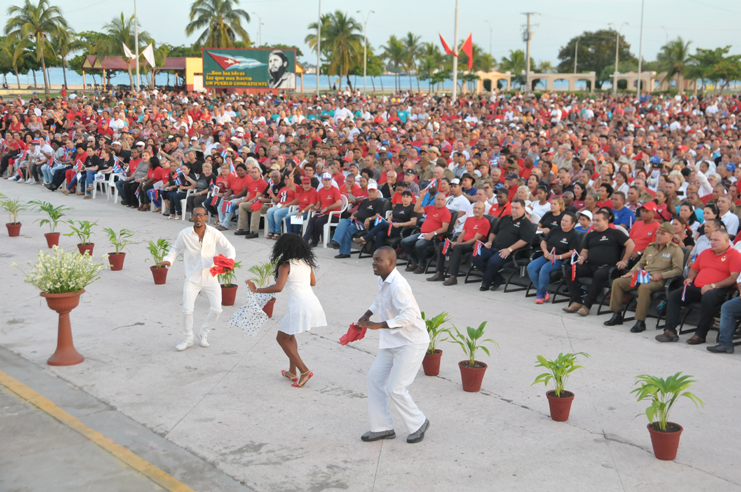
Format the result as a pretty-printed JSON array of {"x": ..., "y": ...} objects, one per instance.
[
  {"x": 116, "y": 260},
  {"x": 228, "y": 294},
  {"x": 472, "y": 377},
  {"x": 66, "y": 354},
  {"x": 14, "y": 230},
  {"x": 665, "y": 444},
  {"x": 52, "y": 239},
  {"x": 560, "y": 406},
  {"x": 86, "y": 247},
  {"x": 431, "y": 363},
  {"x": 268, "y": 307},
  {"x": 159, "y": 274}
]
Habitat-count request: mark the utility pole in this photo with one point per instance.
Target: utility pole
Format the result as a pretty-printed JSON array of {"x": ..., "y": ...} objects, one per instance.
[
  {"x": 365, "y": 47},
  {"x": 528, "y": 36},
  {"x": 259, "y": 28},
  {"x": 617, "y": 50},
  {"x": 136, "y": 45},
  {"x": 640, "y": 53},
  {"x": 455, "y": 54},
  {"x": 318, "y": 47},
  {"x": 576, "y": 53}
]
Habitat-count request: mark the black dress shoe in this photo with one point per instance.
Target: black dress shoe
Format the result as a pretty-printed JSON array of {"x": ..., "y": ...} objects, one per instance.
[
  {"x": 240, "y": 232},
  {"x": 375, "y": 436},
  {"x": 252, "y": 235},
  {"x": 638, "y": 327},
  {"x": 720, "y": 349},
  {"x": 483, "y": 288},
  {"x": 342, "y": 256},
  {"x": 419, "y": 434},
  {"x": 334, "y": 244},
  {"x": 617, "y": 319},
  {"x": 496, "y": 285},
  {"x": 667, "y": 336}
]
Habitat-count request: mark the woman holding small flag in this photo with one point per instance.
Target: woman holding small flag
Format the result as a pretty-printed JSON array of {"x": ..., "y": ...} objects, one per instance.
[
  {"x": 401, "y": 216},
  {"x": 557, "y": 246},
  {"x": 177, "y": 189}
]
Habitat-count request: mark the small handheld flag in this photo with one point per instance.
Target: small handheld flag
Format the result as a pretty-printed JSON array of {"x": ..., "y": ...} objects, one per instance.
[
  {"x": 684, "y": 292},
  {"x": 446, "y": 246},
  {"x": 477, "y": 248},
  {"x": 391, "y": 225},
  {"x": 432, "y": 184},
  {"x": 574, "y": 258},
  {"x": 226, "y": 206},
  {"x": 136, "y": 193},
  {"x": 116, "y": 165},
  {"x": 178, "y": 179},
  {"x": 553, "y": 256},
  {"x": 358, "y": 225},
  {"x": 378, "y": 220},
  {"x": 640, "y": 276}
]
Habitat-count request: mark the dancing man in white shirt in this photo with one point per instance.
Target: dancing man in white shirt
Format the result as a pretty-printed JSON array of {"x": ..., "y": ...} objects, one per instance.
[
  {"x": 199, "y": 245},
  {"x": 403, "y": 342}
]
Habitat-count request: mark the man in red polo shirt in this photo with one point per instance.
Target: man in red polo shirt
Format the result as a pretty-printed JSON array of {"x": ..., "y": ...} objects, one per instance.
[
  {"x": 330, "y": 200},
  {"x": 475, "y": 228},
  {"x": 502, "y": 206},
  {"x": 643, "y": 231},
  {"x": 419, "y": 246},
  {"x": 713, "y": 274},
  {"x": 250, "y": 206}
]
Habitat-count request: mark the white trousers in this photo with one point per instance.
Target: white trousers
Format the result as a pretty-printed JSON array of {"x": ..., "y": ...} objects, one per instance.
[
  {"x": 212, "y": 291},
  {"x": 391, "y": 374}
]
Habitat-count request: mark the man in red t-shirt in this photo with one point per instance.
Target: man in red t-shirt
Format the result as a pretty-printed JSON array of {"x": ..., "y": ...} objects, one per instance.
[
  {"x": 307, "y": 198},
  {"x": 643, "y": 231},
  {"x": 713, "y": 274},
  {"x": 250, "y": 208},
  {"x": 474, "y": 229},
  {"x": 419, "y": 247},
  {"x": 502, "y": 206},
  {"x": 330, "y": 199}
]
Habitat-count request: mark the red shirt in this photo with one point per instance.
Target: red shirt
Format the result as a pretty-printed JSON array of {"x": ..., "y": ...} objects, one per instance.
[
  {"x": 500, "y": 210},
  {"x": 133, "y": 163},
  {"x": 339, "y": 178},
  {"x": 306, "y": 198},
  {"x": 356, "y": 191},
  {"x": 713, "y": 268},
  {"x": 255, "y": 188},
  {"x": 161, "y": 174},
  {"x": 286, "y": 195},
  {"x": 605, "y": 203},
  {"x": 475, "y": 226},
  {"x": 397, "y": 199},
  {"x": 642, "y": 234},
  {"x": 435, "y": 218},
  {"x": 237, "y": 184},
  {"x": 329, "y": 197}
]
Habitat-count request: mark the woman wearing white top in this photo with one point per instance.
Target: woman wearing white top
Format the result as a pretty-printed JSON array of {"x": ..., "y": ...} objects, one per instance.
[{"x": 294, "y": 272}]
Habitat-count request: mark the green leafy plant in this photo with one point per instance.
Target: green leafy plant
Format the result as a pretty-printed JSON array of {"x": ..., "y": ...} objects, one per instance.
[
  {"x": 119, "y": 240},
  {"x": 263, "y": 273},
  {"x": 53, "y": 214},
  {"x": 435, "y": 330},
  {"x": 158, "y": 251},
  {"x": 663, "y": 393},
  {"x": 83, "y": 231},
  {"x": 229, "y": 278},
  {"x": 13, "y": 207},
  {"x": 559, "y": 370},
  {"x": 470, "y": 342},
  {"x": 61, "y": 272}
]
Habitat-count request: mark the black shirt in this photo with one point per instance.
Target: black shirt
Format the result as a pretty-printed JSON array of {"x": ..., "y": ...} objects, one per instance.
[
  {"x": 550, "y": 221},
  {"x": 369, "y": 208},
  {"x": 562, "y": 241},
  {"x": 204, "y": 182},
  {"x": 605, "y": 247},
  {"x": 402, "y": 213},
  {"x": 509, "y": 230}
]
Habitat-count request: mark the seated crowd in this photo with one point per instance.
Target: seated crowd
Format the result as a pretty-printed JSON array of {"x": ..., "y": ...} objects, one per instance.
[{"x": 619, "y": 200}]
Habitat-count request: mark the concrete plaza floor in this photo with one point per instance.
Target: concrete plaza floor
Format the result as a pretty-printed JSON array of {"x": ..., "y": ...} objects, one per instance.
[{"x": 228, "y": 404}]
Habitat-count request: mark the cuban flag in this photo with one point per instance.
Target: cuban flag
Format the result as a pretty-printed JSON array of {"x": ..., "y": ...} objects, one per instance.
[
  {"x": 391, "y": 226},
  {"x": 640, "y": 276},
  {"x": 553, "y": 256},
  {"x": 446, "y": 246},
  {"x": 48, "y": 140},
  {"x": 432, "y": 184},
  {"x": 224, "y": 155},
  {"x": 226, "y": 207},
  {"x": 477, "y": 248},
  {"x": 136, "y": 193},
  {"x": 78, "y": 166},
  {"x": 117, "y": 165},
  {"x": 378, "y": 220},
  {"x": 358, "y": 225},
  {"x": 179, "y": 179},
  {"x": 574, "y": 258},
  {"x": 228, "y": 62},
  {"x": 154, "y": 195}
]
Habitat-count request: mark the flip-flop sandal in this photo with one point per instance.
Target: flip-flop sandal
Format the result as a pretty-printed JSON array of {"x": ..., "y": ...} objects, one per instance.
[{"x": 288, "y": 375}]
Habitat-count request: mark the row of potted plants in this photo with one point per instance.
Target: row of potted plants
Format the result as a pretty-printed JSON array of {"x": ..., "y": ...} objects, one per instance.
[{"x": 661, "y": 393}]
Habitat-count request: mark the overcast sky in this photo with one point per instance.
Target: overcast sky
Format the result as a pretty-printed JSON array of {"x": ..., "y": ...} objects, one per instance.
[{"x": 707, "y": 23}]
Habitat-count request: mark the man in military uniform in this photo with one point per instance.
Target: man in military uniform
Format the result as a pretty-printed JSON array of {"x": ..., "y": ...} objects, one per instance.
[
  {"x": 662, "y": 260},
  {"x": 280, "y": 77}
]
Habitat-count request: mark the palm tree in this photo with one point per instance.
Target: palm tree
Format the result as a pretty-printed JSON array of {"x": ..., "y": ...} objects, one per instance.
[
  {"x": 515, "y": 64},
  {"x": 344, "y": 41},
  {"x": 118, "y": 32},
  {"x": 673, "y": 59},
  {"x": 13, "y": 57},
  {"x": 35, "y": 22},
  {"x": 159, "y": 61},
  {"x": 64, "y": 43},
  {"x": 222, "y": 21},
  {"x": 413, "y": 48},
  {"x": 394, "y": 53},
  {"x": 311, "y": 41},
  {"x": 431, "y": 60}
]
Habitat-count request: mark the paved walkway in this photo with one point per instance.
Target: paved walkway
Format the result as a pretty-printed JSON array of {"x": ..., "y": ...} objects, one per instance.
[{"x": 229, "y": 406}]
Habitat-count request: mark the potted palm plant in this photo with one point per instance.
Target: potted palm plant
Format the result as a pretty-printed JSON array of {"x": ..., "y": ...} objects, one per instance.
[
  {"x": 53, "y": 215},
  {"x": 13, "y": 207},
  {"x": 472, "y": 371},
  {"x": 229, "y": 287},
  {"x": 83, "y": 231},
  {"x": 262, "y": 275},
  {"x": 663, "y": 393},
  {"x": 119, "y": 241},
  {"x": 159, "y": 250},
  {"x": 62, "y": 277},
  {"x": 431, "y": 362},
  {"x": 559, "y": 370}
]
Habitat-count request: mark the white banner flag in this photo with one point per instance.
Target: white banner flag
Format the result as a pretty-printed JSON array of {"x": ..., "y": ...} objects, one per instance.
[
  {"x": 149, "y": 55},
  {"x": 127, "y": 52}
]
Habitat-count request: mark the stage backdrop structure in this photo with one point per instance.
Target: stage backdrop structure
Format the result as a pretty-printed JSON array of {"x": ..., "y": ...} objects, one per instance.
[{"x": 249, "y": 70}]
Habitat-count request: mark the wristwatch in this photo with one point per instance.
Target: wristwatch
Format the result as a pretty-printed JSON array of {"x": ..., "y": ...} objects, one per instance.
[
  {"x": 510, "y": 249},
  {"x": 434, "y": 234},
  {"x": 712, "y": 286}
]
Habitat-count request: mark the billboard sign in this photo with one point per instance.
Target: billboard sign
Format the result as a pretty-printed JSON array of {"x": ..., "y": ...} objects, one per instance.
[{"x": 260, "y": 68}]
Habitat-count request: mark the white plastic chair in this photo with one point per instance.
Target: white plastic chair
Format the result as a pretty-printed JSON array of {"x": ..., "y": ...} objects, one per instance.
[
  {"x": 329, "y": 224},
  {"x": 184, "y": 203},
  {"x": 102, "y": 182},
  {"x": 112, "y": 185}
]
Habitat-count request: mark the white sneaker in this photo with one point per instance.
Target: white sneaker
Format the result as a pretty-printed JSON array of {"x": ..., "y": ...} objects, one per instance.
[
  {"x": 202, "y": 340},
  {"x": 29, "y": 181},
  {"x": 14, "y": 178},
  {"x": 183, "y": 345}
]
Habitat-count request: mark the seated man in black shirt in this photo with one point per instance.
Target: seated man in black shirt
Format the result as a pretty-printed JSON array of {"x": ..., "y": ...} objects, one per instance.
[
  {"x": 601, "y": 250},
  {"x": 358, "y": 221},
  {"x": 402, "y": 216},
  {"x": 510, "y": 233}
]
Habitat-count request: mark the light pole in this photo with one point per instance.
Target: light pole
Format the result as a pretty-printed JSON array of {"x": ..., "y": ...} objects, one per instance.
[
  {"x": 365, "y": 46},
  {"x": 455, "y": 55},
  {"x": 667, "y": 35},
  {"x": 576, "y": 53},
  {"x": 136, "y": 46},
  {"x": 617, "y": 48},
  {"x": 640, "y": 54},
  {"x": 490, "y": 32},
  {"x": 259, "y": 28},
  {"x": 527, "y": 38},
  {"x": 318, "y": 47}
]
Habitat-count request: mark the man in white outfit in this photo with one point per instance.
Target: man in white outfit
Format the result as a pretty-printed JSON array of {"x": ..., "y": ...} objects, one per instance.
[
  {"x": 199, "y": 245},
  {"x": 403, "y": 342}
]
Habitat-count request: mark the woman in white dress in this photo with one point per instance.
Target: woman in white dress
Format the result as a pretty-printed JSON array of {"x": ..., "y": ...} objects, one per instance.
[{"x": 295, "y": 273}]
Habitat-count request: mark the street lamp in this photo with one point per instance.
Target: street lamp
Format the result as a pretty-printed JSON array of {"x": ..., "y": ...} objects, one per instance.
[
  {"x": 136, "y": 45},
  {"x": 617, "y": 48},
  {"x": 576, "y": 53},
  {"x": 365, "y": 46},
  {"x": 318, "y": 47},
  {"x": 490, "y": 32},
  {"x": 640, "y": 53},
  {"x": 259, "y": 28}
]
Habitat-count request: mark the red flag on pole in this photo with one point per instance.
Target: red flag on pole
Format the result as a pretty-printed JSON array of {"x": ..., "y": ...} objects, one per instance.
[
  {"x": 447, "y": 49},
  {"x": 467, "y": 48}
]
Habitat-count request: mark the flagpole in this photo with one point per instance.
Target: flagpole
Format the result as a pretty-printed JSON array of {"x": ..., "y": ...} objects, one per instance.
[
  {"x": 136, "y": 45},
  {"x": 455, "y": 55}
]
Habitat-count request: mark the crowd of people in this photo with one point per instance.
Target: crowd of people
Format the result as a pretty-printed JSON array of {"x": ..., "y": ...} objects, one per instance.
[{"x": 614, "y": 194}]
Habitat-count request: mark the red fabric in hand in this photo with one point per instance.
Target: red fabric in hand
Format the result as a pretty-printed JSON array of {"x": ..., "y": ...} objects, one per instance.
[
  {"x": 222, "y": 264},
  {"x": 354, "y": 333}
]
